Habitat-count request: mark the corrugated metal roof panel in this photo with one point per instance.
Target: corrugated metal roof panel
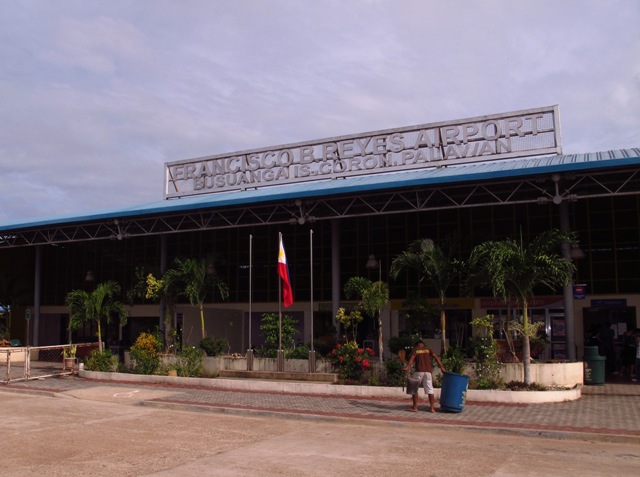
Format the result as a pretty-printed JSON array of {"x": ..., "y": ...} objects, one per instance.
[{"x": 431, "y": 176}]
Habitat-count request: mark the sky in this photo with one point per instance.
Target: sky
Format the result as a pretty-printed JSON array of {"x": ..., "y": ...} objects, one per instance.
[{"x": 95, "y": 96}]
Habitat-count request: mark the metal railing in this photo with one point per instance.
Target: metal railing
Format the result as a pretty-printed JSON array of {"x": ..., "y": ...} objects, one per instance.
[{"x": 38, "y": 362}]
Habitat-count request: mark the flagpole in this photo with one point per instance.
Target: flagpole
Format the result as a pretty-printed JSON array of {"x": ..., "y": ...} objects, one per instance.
[
  {"x": 312, "y": 353},
  {"x": 311, "y": 260},
  {"x": 250, "y": 284},
  {"x": 250, "y": 349},
  {"x": 280, "y": 354}
]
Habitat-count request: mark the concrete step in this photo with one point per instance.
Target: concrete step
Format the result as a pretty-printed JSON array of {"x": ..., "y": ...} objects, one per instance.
[{"x": 280, "y": 375}]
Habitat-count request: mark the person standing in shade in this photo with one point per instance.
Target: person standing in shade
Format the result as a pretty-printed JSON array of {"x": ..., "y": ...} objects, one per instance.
[
  {"x": 607, "y": 337},
  {"x": 422, "y": 357},
  {"x": 629, "y": 352}
]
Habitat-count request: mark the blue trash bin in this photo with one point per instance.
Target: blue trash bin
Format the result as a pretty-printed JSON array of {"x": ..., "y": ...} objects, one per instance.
[{"x": 453, "y": 392}]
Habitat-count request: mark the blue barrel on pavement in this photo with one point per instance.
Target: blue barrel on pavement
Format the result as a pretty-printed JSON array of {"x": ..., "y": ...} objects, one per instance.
[
  {"x": 594, "y": 366},
  {"x": 453, "y": 393}
]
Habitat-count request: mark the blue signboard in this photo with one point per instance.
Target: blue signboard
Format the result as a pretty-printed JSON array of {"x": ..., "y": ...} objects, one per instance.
[{"x": 609, "y": 303}]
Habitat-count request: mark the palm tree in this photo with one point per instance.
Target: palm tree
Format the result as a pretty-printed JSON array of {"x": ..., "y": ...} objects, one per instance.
[
  {"x": 100, "y": 304},
  {"x": 196, "y": 278},
  {"x": 437, "y": 265},
  {"x": 148, "y": 286},
  {"x": 514, "y": 270},
  {"x": 374, "y": 297}
]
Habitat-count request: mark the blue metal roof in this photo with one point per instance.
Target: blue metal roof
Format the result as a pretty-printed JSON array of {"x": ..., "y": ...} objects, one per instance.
[{"x": 422, "y": 177}]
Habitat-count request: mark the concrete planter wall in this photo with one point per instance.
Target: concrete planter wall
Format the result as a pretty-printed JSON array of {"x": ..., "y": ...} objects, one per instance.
[
  {"x": 213, "y": 364},
  {"x": 548, "y": 374}
]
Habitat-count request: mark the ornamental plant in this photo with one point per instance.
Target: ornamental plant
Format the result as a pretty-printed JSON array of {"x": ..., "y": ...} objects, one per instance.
[
  {"x": 350, "y": 361},
  {"x": 486, "y": 366},
  {"x": 188, "y": 362},
  {"x": 276, "y": 332},
  {"x": 349, "y": 320},
  {"x": 145, "y": 353},
  {"x": 104, "y": 361}
]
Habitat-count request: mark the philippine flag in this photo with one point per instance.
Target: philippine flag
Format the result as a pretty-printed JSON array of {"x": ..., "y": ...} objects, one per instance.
[{"x": 283, "y": 271}]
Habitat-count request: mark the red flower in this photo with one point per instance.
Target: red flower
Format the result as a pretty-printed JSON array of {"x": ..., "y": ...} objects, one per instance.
[
  {"x": 360, "y": 351},
  {"x": 341, "y": 359}
]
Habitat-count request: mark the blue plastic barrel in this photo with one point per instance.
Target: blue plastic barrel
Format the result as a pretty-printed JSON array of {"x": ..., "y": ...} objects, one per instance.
[{"x": 454, "y": 391}]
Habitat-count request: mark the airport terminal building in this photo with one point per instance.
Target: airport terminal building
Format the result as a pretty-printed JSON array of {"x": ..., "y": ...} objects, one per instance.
[{"x": 347, "y": 206}]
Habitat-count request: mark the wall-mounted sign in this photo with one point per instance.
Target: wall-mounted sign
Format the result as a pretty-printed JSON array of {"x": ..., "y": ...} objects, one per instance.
[
  {"x": 580, "y": 291},
  {"x": 485, "y": 138},
  {"x": 609, "y": 303}
]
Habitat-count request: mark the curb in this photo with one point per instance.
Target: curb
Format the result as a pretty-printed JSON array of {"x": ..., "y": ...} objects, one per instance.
[{"x": 290, "y": 387}]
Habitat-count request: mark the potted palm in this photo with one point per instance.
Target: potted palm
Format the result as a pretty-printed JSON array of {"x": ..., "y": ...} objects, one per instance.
[{"x": 70, "y": 358}]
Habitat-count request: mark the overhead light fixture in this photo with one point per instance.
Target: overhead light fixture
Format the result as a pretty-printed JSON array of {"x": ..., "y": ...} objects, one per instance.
[
  {"x": 373, "y": 263},
  {"x": 576, "y": 253}
]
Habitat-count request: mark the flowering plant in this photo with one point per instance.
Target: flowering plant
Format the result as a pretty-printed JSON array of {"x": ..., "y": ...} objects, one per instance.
[{"x": 350, "y": 361}]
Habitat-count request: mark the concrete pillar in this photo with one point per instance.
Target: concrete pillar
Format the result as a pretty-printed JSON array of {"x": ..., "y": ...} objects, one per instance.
[
  {"x": 567, "y": 291},
  {"x": 335, "y": 273},
  {"x": 36, "y": 296}
]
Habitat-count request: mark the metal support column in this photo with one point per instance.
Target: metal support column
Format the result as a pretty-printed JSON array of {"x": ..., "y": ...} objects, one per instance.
[{"x": 567, "y": 291}]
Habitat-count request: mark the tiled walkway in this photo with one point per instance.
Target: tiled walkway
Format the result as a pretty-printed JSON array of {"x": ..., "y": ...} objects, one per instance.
[{"x": 609, "y": 412}]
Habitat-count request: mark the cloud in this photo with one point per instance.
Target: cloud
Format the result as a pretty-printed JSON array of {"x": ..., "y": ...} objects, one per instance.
[{"x": 98, "y": 95}]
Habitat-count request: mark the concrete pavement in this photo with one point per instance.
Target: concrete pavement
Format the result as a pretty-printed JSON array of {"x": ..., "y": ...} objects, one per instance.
[{"x": 607, "y": 413}]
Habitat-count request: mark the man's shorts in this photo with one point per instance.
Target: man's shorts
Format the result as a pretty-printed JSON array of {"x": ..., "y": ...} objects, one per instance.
[{"x": 426, "y": 381}]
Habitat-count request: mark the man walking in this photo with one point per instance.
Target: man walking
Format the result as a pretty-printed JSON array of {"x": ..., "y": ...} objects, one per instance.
[{"x": 422, "y": 357}]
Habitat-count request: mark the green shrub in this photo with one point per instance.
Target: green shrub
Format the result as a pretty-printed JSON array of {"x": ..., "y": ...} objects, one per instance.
[
  {"x": 270, "y": 328},
  {"x": 398, "y": 343},
  {"x": 145, "y": 354},
  {"x": 273, "y": 333},
  {"x": 395, "y": 372},
  {"x": 104, "y": 361},
  {"x": 453, "y": 360},
  {"x": 324, "y": 344},
  {"x": 265, "y": 351},
  {"x": 520, "y": 386},
  {"x": 299, "y": 352},
  {"x": 188, "y": 362},
  {"x": 214, "y": 346}
]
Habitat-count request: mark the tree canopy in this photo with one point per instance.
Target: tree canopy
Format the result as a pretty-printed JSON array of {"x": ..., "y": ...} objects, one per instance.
[
  {"x": 514, "y": 270},
  {"x": 100, "y": 304}
]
